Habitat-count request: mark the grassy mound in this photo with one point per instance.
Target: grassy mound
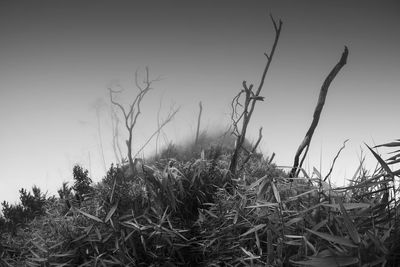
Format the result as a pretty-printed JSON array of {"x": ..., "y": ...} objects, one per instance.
[{"x": 188, "y": 213}]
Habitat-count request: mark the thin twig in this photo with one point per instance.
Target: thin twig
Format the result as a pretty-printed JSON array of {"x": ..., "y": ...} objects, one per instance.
[
  {"x": 334, "y": 160},
  {"x": 251, "y": 153},
  {"x": 165, "y": 122}
]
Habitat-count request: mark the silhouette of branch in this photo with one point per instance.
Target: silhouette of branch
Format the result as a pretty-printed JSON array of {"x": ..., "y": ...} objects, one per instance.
[{"x": 317, "y": 113}]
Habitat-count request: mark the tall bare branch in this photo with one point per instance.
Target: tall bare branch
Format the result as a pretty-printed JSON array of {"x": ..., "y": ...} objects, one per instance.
[
  {"x": 317, "y": 113},
  {"x": 247, "y": 105}
]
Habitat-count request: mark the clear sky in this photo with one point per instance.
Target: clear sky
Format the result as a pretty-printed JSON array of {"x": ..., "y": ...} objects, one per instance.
[{"x": 57, "y": 59}]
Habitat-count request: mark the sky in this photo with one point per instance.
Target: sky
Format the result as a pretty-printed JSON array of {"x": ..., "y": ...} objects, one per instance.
[{"x": 57, "y": 59}]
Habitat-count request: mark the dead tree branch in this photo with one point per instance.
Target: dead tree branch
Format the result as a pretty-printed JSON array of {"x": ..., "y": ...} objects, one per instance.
[
  {"x": 253, "y": 150},
  {"x": 99, "y": 105},
  {"x": 115, "y": 132},
  {"x": 158, "y": 125},
  {"x": 134, "y": 111},
  {"x": 170, "y": 116},
  {"x": 198, "y": 123},
  {"x": 317, "y": 113},
  {"x": 334, "y": 160},
  {"x": 243, "y": 110}
]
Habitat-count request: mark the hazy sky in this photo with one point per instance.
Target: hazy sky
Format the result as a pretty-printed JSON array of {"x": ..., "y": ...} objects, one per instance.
[{"x": 57, "y": 59}]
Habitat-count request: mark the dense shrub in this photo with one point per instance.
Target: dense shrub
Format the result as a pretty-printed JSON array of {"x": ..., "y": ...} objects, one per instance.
[
  {"x": 31, "y": 206},
  {"x": 82, "y": 182}
]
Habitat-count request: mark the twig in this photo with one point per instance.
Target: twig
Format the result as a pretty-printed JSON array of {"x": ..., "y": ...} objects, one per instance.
[
  {"x": 198, "y": 123},
  {"x": 334, "y": 160},
  {"x": 165, "y": 122},
  {"x": 251, "y": 153}
]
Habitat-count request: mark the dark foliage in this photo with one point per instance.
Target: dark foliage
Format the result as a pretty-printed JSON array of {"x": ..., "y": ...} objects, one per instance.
[
  {"x": 32, "y": 205},
  {"x": 82, "y": 182}
]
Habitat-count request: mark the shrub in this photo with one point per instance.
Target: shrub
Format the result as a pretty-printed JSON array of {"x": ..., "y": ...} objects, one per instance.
[
  {"x": 81, "y": 182},
  {"x": 31, "y": 206}
]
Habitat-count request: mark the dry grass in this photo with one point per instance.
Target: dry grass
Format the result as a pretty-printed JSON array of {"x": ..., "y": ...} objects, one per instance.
[{"x": 187, "y": 213}]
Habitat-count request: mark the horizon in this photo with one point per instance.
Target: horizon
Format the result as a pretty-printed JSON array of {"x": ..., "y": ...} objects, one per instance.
[{"x": 58, "y": 59}]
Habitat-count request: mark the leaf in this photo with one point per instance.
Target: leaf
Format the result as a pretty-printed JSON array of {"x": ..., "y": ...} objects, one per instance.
[
  {"x": 348, "y": 206},
  {"x": 258, "y": 243},
  {"x": 334, "y": 239},
  {"x": 394, "y": 162},
  {"x": 392, "y": 144},
  {"x": 276, "y": 192},
  {"x": 111, "y": 212},
  {"x": 319, "y": 225},
  {"x": 310, "y": 245},
  {"x": 295, "y": 236},
  {"x": 29, "y": 263},
  {"x": 90, "y": 216},
  {"x": 79, "y": 238},
  {"x": 302, "y": 194},
  {"x": 210, "y": 213},
  {"x": 248, "y": 253},
  {"x": 351, "y": 229},
  {"x": 328, "y": 261},
  {"x": 39, "y": 247},
  {"x": 56, "y": 245},
  {"x": 97, "y": 231},
  {"x": 254, "y": 229},
  {"x": 381, "y": 162},
  {"x": 263, "y": 204},
  {"x": 62, "y": 255},
  {"x": 359, "y": 168},
  {"x": 262, "y": 189},
  {"x": 294, "y": 220},
  {"x": 317, "y": 173},
  {"x": 256, "y": 183},
  {"x": 39, "y": 259}
]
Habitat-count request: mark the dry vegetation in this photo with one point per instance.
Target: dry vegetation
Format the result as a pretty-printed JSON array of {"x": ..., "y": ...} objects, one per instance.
[
  {"x": 210, "y": 203},
  {"x": 185, "y": 213}
]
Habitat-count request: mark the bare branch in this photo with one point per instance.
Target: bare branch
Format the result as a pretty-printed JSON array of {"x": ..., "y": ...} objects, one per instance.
[
  {"x": 158, "y": 124},
  {"x": 170, "y": 116},
  {"x": 134, "y": 110},
  {"x": 334, "y": 160},
  {"x": 317, "y": 112},
  {"x": 253, "y": 150},
  {"x": 116, "y": 103},
  {"x": 198, "y": 123},
  {"x": 272, "y": 158},
  {"x": 114, "y": 125},
  {"x": 249, "y": 103}
]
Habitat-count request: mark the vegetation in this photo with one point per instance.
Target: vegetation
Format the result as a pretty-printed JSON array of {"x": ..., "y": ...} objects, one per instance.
[
  {"x": 180, "y": 213},
  {"x": 214, "y": 201}
]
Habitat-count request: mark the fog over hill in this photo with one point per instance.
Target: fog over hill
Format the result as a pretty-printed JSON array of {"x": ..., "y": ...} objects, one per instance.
[{"x": 59, "y": 58}]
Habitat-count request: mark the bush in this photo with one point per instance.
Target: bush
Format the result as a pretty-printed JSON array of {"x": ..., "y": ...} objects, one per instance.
[
  {"x": 82, "y": 182},
  {"x": 31, "y": 206}
]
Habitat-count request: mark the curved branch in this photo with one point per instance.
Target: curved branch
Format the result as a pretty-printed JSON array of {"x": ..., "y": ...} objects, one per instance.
[{"x": 317, "y": 112}]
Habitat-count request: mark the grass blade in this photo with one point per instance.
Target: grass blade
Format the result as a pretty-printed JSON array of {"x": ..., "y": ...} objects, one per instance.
[
  {"x": 90, "y": 216},
  {"x": 381, "y": 161},
  {"x": 111, "y": 212},
  {"x": 328, "y": 261},
  {"x": 254, "y": 229},
  {"x": 351, "y": 229},
  {"x": 334, "y": 239}
]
